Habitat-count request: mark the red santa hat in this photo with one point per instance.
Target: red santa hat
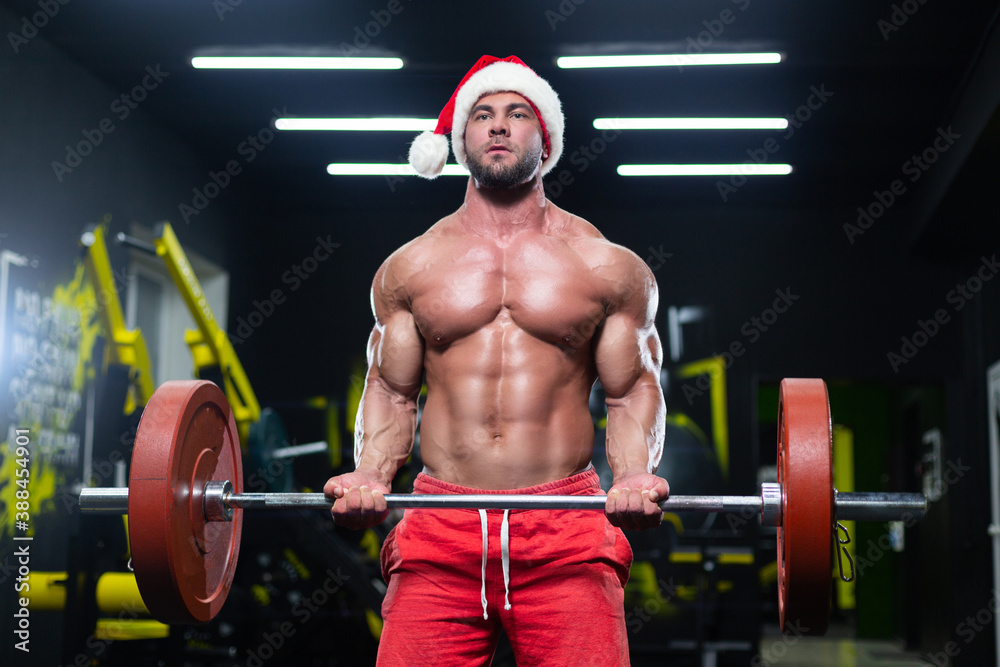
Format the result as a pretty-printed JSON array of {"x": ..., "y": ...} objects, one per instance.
[{"x": 429, "y": 151}]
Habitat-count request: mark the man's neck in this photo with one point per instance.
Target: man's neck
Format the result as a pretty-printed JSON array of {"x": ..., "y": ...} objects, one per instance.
[{"x": 502, "y": 213}]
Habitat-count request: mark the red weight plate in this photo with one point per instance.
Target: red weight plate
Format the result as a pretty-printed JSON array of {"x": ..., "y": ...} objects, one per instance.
[
  {"x": 805, "y": 537},
  {"x": 183, "y": 565}
]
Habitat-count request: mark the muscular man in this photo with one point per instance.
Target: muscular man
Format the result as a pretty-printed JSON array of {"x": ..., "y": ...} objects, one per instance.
[{"x": 509, "y": 309}]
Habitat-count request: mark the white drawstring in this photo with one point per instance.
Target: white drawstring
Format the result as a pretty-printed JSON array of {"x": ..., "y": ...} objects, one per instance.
[
  {"x": 486, "y": 545},
  {"x": 504, "y": 559}
]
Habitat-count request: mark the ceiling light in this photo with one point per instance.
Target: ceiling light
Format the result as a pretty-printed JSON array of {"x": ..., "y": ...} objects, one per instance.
[
  {"x": 690, "y": 123},
  {"x": 296, "y": 62},
  {"x": 357, "y": 124},
  {"x": 385, "y": 169},
  {"x": 669, "y": 60},
  {"x": 704, "y": 169}
]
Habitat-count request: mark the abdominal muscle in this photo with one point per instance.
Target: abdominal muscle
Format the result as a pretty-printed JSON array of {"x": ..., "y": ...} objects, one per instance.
[{"x": 506, "y": 410}]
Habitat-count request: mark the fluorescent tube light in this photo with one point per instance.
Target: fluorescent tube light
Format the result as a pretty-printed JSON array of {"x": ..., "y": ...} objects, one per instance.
[
  {"x": 294, "y": 62},
  {"x": 690, "y": 123},
  {"x": 384, "y": 169},
  {"x": 704, "y": 169},
  {"x": 669, "y": 60},
  {"x": 357, "y": 124}
]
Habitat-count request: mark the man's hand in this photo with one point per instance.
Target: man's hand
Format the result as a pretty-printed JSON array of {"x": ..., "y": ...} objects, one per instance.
[
  {"x": 359, "y": 498},
  {"x": 632, "y": 501}
]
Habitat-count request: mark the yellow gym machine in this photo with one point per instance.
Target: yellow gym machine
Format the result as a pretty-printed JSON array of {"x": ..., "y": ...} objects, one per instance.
[
  {"x": 211, "y": 352},
  {"x": 210, "y": 349}
]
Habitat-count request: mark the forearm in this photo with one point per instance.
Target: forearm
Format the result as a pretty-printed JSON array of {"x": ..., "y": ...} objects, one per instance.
[
  {"x": 635, "y": 431},
  {"x": 384, "y": 431}
]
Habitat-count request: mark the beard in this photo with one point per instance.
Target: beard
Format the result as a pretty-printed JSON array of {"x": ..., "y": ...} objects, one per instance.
[{"x": 498, "y": 176}]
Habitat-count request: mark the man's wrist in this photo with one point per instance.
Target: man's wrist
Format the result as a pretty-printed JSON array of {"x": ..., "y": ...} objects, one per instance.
[
  {"x": 628, "y": 474},
  {"x": 376, "y": 475}
]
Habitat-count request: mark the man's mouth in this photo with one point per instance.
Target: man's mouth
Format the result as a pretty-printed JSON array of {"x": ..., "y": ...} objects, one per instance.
[{"x": 497, "y": 148}]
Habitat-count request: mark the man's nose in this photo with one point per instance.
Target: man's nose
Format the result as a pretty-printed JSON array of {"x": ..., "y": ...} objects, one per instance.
[{"x": 499, "y": 127}]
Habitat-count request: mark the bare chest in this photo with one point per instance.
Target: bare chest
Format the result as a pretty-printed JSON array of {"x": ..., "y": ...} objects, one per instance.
[{"x": 542, "y": 286}]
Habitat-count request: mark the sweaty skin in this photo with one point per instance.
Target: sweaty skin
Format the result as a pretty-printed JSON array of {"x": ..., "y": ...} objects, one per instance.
[{"x": 509, "y": 309}]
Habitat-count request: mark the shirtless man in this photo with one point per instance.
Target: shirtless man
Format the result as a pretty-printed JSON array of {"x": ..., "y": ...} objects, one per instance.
[{"x": 509, "y": 309}]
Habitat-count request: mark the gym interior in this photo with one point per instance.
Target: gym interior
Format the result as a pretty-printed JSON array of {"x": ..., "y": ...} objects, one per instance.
[{"x": 165, "y": 221}]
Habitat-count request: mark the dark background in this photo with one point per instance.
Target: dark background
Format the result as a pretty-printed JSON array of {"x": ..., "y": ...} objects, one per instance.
[{"x": 892, "y": 92}]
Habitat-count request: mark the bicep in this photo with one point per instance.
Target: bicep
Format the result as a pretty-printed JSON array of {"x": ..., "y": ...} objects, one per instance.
[
  {"x": 627, "y": 353},
  {"x": 396, "y": 353},
  {"x": 395, "y": 347},
  {"x": 627, "y": 350}
]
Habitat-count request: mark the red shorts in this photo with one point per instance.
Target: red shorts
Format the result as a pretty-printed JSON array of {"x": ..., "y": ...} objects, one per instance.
[{"x": 567, "y": 574}]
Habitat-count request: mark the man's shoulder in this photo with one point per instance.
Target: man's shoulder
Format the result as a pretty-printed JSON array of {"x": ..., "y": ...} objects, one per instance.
[
  {"x": 627, "y": 277},
  {"x": 594, "y": 246},
  {"x": 414, "y": 254},
  {"x": 569, "y": 225},
  {"x": 435, "y": 235}
]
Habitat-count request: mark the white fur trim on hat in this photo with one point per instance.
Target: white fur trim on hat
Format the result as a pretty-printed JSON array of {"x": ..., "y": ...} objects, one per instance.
[
  {"x": 428, "y": 153},
  {"x": 505, "y": 76}
]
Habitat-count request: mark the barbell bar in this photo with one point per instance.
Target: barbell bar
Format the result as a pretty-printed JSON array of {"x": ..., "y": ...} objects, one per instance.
[
  {"x": 185, "y": 503},
  {"x": 219, "y": 501}
]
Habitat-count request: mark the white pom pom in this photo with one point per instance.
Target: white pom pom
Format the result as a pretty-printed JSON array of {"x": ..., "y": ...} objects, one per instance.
[{"x": 428, "y": 153}]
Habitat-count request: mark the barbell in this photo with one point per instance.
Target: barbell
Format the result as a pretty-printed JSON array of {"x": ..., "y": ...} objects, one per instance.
[{"x": 185, "y": 503}]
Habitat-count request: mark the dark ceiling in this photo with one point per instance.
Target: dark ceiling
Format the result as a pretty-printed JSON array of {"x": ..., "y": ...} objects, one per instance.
[{"x": 891, "y": 73}]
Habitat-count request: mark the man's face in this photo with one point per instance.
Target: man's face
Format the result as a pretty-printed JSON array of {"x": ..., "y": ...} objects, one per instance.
[{"x": 503, "y": 141}]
